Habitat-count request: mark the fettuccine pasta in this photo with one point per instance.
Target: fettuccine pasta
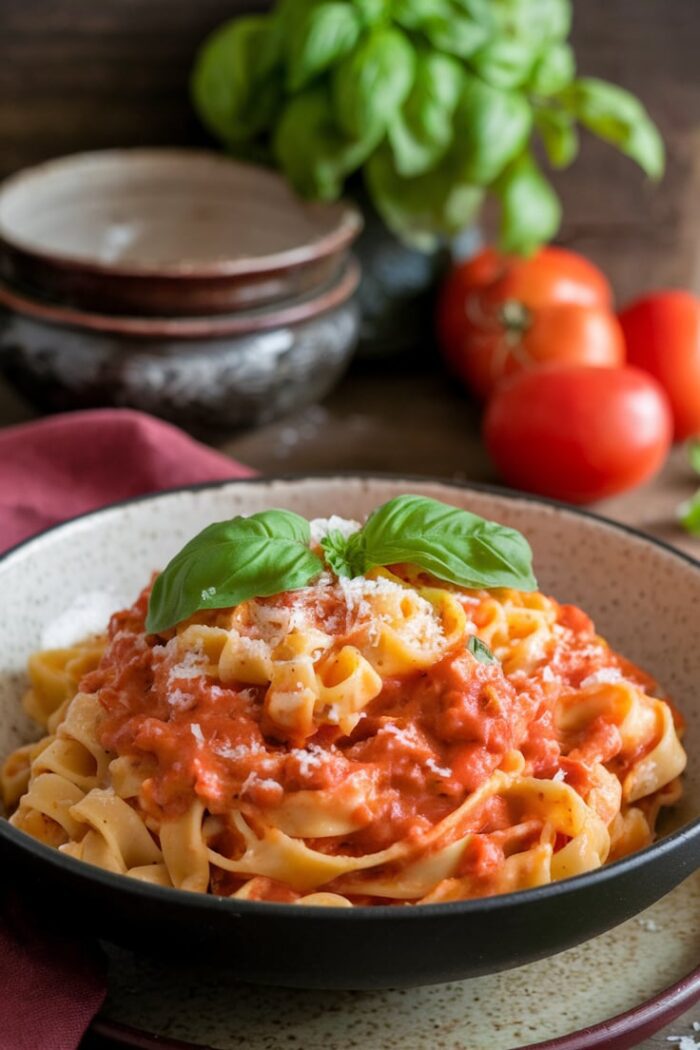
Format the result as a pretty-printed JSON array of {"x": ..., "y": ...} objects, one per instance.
[{"x": 347, "y": 744}]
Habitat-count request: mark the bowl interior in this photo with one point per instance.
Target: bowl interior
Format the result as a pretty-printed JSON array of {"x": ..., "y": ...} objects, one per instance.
[
  {"x": 165, "y": 210},
  {"x": 643, "y": 597}
]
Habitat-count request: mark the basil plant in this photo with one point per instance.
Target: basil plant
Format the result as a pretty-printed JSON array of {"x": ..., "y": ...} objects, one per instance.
[{"x": 436, "y": 102}]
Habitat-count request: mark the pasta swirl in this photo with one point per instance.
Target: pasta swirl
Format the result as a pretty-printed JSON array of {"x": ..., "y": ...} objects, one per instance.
[{"x": 345, "y": 744}]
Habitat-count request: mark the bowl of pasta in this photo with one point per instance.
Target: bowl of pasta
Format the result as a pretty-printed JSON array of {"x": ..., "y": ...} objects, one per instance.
[{"x": 348, "y": 732}]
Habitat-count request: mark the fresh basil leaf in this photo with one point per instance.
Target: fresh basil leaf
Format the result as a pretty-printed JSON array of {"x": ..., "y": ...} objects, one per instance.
[
  {"x": 419, "y": 210},
  {"x": 413, "y": 14},
  {"x": 479, "y": 10},
  {"x": 314, "y": 155},
  {"x": 421, "y": 132},
  {"x": 319, "y": 39},
  {"x": 455, "y": 33},
  {"x": 530, "y": 209},
  {"x": 372, "y": 12},
  {"x": 451, "y": 544},
  {"x": 346, "y": 558},
  {"x": 492, "y": 127},
  {"x": 689, "y": 515},
  {"x": 371, "y": 83},
  {"x": 538, "y": 20},
  {"x": 480, "y": 650},
  {"x": 694, "y": 454},
  {"x": 235, "y": 88},
  {"x": 559, "y": 136},
  {"x": 616, "y": 116},
  {"x": 505, "y": 63},
  {"x": 553, "y": 71},
  {"x": 232, "y": 561}
]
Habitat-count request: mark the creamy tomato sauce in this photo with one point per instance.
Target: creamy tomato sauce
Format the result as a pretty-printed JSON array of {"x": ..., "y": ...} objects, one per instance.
[{"x": 427, "y": 741}]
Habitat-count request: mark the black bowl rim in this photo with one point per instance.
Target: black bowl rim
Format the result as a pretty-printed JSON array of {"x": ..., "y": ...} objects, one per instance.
[
  {"x": 657, "y": 851},
  {"x": 347, "y": 228}
]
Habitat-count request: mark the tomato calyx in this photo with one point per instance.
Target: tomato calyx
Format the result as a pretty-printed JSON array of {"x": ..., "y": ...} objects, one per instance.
[{"x": 515, "y": 318}]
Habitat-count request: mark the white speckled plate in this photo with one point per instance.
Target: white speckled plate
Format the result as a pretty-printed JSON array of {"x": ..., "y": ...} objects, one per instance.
[{"x": 626, "y": 971}]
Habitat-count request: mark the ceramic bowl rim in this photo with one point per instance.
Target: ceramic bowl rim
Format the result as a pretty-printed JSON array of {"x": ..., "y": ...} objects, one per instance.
[
  {"x": 677, "y": 840},
  {"x": 334, "y": 293},
  {"x": 348, "y": 227}
]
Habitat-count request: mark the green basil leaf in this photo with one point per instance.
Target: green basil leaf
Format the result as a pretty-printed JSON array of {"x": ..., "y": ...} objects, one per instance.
[
  {"x": 413, "y": 14},
  {"x": 345, "y": 558},
  {"x": 421, "y": 133},
  {"x": 451, "y": 544},
  {"x": 492, "y": 127},
  {"x": 559, "y": 136},
  {"x": 319, "y": 39},
  {"x": 231, "y": 561},
  {"x": 480, "y": 11},
  {"x": 371, "y": 83},
  {"x": 616, "y": 116},
  {"x": 372, "y": 12},
  {"x": 455, "y": 33},
  {"x": 694, "y": 454},
  {"x": 314, "y": 155},
  {"x": 419, "y": 210},
  {"x": 553, "y": 71},
  {"x": 689, "y": 515},
  {"x": 505, "y": 63},
  {"x": 538, "y": 20},
  {"x": 235, "y": 88},
  {"x": 480, "y": 650},
  {"x": 530, "y": 209}
]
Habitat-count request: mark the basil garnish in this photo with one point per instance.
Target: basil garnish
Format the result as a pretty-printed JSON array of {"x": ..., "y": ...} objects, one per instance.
[
  {"x": 231, "y": 561},
  {"x": 480, "y": 650},
  {"x": 449, "y": 543},
  {"x": 269, "y": 552},
  {"x": 689, "y": 511}
]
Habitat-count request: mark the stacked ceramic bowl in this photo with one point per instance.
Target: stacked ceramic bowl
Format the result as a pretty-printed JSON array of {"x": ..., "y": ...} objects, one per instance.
[{"x": 178, "y": 282}]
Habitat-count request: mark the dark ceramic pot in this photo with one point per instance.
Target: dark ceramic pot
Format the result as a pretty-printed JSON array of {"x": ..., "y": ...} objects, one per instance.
[{"x": 399, "y": 285}]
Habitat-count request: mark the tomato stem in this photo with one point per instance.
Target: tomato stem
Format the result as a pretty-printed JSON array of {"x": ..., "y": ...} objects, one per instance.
[{"x": 515, "y": 316}]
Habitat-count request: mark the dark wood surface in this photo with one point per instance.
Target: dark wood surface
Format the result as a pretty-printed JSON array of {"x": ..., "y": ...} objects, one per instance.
[{"x": 81, "y": 74}]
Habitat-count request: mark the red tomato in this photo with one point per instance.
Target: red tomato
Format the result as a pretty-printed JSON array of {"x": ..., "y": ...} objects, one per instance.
[
  {"x": 662, "y": 332},
  {"x": 577, "y": 433},
  {"x": 500, "y": 314}
]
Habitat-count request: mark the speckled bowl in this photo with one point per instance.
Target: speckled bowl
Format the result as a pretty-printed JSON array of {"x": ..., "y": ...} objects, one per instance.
[
  {"x": 231, "y": 370},
  {"x": 645, "y": 597}
]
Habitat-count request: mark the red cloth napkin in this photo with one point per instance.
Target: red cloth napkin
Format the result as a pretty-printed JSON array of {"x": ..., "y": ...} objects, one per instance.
[
  {"x": 51, "y": 470},
  {"x": 65, "y": 465}
]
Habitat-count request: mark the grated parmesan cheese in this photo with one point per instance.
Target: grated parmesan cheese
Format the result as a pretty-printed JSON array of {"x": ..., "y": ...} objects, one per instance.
[
  {"x": 192, "y": 665},
  {"x": 439, "y": 771},
  {"x": 559, "y": 776},
  {"x": 309, "y": 758},
  {"x": 684, "y": 1042},
  {"x": 197, "y": 733},
  {"x": 179, "y": 701},
  {"x": 604, "y": 676},
  {"x": 320, "y": 527},
  {"x": 254, "y": 780},
  {"x": 239, "y": 751}
]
